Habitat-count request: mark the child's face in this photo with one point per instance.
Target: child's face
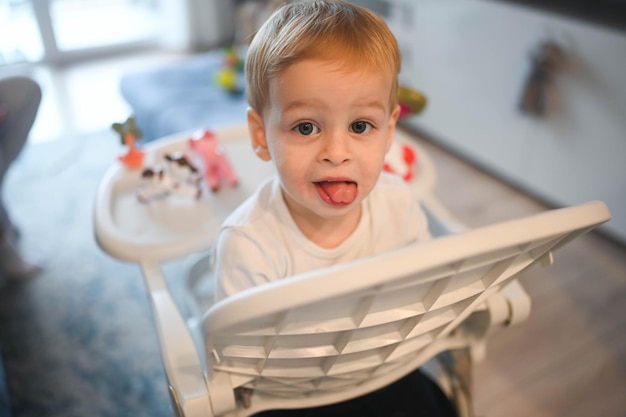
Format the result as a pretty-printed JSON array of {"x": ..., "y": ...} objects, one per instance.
[{"x": 327, "y": 130}]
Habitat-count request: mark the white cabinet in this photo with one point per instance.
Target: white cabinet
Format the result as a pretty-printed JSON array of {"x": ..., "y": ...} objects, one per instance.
[{"x": 472, "y": 57}]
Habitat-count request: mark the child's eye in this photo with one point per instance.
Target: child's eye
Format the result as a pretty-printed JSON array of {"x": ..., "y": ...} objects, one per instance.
[
  {"x": 306, "y": 128},
  {"x": 360, "y": 127}
]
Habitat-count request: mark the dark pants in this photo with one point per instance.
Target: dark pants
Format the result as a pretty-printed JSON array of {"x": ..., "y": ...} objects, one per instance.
[{"x": 415, "y": 395}]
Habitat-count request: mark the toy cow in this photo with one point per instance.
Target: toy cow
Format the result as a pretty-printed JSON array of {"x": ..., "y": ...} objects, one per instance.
[
  {"x": 182, "y": 169},
  {"x": 217, "y": 168},
  {"x": 177, "y": 175}
]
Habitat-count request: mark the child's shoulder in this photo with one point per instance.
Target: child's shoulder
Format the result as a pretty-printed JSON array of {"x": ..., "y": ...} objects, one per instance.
[
  {"x": 397, "y": 205},
  {"x": 392, "y": 183},
  {"x": 392, "y": 192}
]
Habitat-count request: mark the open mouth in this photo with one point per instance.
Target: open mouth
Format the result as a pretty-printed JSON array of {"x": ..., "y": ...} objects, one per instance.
[{"x": 338, "y": 193}]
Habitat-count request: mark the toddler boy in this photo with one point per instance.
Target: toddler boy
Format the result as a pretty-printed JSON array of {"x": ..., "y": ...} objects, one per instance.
[{"x": 322, "y": 87}]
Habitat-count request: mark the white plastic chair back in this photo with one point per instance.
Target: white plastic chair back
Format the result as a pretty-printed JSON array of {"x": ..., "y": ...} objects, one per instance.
[{"x": 334, "y": 334}]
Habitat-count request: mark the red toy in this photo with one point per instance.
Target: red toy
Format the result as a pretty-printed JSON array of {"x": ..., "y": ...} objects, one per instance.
[
  {"x": 401, "y": 160},
  {"x": 217, "y": 167}
]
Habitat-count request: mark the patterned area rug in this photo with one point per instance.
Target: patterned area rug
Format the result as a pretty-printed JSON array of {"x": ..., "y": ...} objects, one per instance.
[{"x": 78, "y": 340}]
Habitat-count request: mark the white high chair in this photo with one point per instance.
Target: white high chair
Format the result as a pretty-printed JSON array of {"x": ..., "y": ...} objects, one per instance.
[{"x": 329, "y": 335}]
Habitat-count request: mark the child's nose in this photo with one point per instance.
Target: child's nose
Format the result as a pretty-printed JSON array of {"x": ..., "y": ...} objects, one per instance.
[{"x": 336, "y": 149}]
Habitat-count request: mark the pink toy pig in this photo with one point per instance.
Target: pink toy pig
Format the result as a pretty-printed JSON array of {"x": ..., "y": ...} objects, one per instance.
[{"x": 216, "y": 164}]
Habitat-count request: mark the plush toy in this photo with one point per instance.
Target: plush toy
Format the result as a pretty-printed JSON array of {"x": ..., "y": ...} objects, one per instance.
[
  {"x": 217, "y": 167},
  {"x": 129, "y": 134}
]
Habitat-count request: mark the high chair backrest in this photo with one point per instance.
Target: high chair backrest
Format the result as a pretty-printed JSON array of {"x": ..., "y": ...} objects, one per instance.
[{"x": 334, "y": 334}]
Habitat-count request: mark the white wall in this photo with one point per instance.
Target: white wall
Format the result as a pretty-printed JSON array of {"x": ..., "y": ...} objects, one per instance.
[{"x": 471, "y": 58}]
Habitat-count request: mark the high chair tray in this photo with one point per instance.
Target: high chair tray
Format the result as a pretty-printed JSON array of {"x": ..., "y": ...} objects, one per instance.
[{"x": 174, "y": 226}]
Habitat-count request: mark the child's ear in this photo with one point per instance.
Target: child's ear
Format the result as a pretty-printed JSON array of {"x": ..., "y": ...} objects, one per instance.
[
  {"x": 393, "y": 120},
  {"x": 257, "y": 135}
]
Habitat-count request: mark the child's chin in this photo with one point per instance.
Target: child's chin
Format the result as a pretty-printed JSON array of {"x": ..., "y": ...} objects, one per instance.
[{"x": 334, "y": 212}]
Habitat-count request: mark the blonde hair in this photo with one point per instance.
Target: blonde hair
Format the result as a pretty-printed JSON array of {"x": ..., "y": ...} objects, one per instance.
[{"x": 319, "y": 29}]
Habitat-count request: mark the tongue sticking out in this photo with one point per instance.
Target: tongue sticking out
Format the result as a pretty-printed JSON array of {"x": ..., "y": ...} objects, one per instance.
[{"x": 337, "y": 192}]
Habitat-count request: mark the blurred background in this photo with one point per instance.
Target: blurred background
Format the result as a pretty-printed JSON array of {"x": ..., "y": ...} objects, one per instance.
[
  {"x": 526, "y": 111},
  {"x": 78, "y": 50}
]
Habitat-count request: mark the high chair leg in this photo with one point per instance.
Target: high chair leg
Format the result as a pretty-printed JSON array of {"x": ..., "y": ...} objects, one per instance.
[
  {"x": 457, "y": 366},
  {"x": 188, "y": 389}
]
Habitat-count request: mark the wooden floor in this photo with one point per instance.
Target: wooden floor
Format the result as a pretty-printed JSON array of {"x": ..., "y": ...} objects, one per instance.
[{"x": 568, "y": 359}]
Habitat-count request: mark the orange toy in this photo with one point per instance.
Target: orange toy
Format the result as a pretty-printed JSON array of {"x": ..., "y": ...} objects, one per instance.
[{"x": 129, "y": 133}]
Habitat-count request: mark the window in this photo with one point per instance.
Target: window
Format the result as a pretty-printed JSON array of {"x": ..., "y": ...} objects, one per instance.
[{"x": 64, "y": 30}]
